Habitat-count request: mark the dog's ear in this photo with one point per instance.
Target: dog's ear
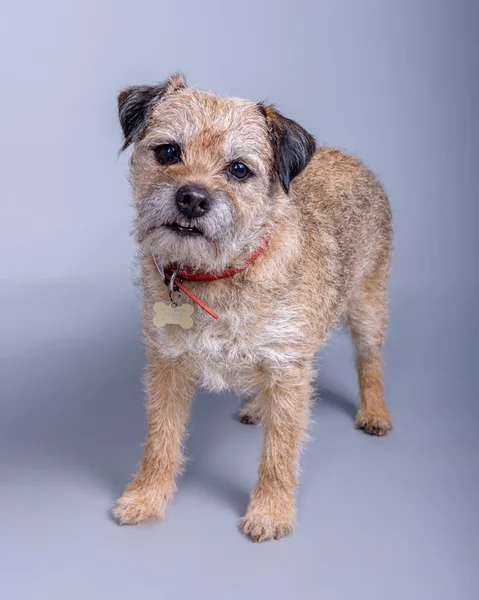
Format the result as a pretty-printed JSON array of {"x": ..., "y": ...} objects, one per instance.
[
  {"x": 292, "y": 145},
  {"x": 136, "y": 102}
]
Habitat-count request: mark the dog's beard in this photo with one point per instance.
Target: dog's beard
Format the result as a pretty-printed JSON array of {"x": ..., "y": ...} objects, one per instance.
[{"x": 219, "y": 246}]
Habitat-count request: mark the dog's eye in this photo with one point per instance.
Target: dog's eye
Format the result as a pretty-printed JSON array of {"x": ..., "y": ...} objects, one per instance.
[
  {"x": 167, "y": 154},
  {"x": 239, "y": 170}
]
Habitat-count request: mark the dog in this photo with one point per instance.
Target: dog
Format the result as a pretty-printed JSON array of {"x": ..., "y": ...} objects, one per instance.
[{"x": 253, "y": 244}]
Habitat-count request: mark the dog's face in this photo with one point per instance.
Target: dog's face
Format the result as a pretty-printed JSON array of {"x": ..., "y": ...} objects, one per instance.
[{"x": 210, "y": 175}]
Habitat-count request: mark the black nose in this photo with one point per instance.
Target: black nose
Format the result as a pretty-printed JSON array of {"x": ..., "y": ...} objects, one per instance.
[{"x": 193, "y": 201}]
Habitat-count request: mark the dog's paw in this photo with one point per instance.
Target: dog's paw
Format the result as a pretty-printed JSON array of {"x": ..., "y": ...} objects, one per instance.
[
  {"x": 260, "y": 526},
  {"x": 136, "y": 507},
  {"x": 247, "y": 418},
  {"x": 373, "y": 424},
  {"x": 250, "y": 413}
]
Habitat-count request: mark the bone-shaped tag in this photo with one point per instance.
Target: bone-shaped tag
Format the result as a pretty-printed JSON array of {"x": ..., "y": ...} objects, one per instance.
[{"x": 166, "y": 314}]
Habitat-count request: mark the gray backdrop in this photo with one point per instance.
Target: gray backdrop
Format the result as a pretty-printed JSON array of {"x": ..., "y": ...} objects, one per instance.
[{"x": 393, "y": 82}]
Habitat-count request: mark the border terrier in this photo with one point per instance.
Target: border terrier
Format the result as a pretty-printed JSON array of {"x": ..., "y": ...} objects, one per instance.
[{"x": 253, "y": 244}]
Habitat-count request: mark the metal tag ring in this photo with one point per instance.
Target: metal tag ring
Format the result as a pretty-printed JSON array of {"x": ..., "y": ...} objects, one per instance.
[
  {"x": 172, "y": 289},
  {"x": 174, "y": 301}
]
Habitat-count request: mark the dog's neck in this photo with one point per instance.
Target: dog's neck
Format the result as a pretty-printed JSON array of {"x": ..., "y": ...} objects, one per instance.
[{"x": 172, "y": 276}]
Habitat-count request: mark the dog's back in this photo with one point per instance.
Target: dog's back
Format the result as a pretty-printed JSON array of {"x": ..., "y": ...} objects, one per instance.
[{"x": 342, "y": 198}]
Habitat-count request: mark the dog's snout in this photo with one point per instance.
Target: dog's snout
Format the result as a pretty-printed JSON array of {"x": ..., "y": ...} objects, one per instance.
[{"x": 193, "y": 201}]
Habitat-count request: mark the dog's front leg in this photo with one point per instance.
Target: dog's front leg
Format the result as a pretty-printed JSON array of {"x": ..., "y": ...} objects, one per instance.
[
  {"x": 169, "y": 388},
  {"x": 286, "y": 400}
]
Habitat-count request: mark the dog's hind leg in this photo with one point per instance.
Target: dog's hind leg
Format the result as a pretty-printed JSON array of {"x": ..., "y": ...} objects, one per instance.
[{"x": 367, "y": 318}]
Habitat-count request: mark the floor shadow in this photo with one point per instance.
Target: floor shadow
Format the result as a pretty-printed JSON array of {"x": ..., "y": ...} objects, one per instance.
[
  {"x": 211, "y": 428},
  {"x": 327, "y": 398},
  {"x": 226, "y": 491}
]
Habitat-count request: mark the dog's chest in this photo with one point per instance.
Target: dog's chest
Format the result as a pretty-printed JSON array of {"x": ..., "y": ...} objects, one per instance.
[{"x": 224, "y": 353}]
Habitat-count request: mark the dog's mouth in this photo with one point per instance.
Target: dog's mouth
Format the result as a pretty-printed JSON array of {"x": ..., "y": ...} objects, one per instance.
[{"x": 184, "y": 231}]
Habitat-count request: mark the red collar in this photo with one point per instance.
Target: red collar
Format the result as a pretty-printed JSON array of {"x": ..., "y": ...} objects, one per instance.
[{"x": 191, "y": 275}]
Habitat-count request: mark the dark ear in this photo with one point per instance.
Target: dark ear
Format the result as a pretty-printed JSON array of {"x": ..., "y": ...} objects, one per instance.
[
  {"x": 293, "y": 146},
  {"x": 135, "y": 104}
]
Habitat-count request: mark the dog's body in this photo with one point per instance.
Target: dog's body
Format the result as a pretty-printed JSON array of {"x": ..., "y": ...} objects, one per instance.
[{"x": 325, "y": 224}]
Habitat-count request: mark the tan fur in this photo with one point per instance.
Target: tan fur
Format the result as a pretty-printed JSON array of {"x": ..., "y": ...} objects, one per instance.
[{"x": 328, "y": 257}]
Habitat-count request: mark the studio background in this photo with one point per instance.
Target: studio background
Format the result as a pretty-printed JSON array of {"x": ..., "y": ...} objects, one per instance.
[{"x": 394, "y": 83}]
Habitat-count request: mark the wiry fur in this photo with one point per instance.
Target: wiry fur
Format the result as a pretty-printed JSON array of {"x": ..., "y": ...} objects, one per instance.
[{"x": 329, "y": 224}]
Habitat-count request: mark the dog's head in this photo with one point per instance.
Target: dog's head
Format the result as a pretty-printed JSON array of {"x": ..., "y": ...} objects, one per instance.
[{"x": 210, "y": 175}]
